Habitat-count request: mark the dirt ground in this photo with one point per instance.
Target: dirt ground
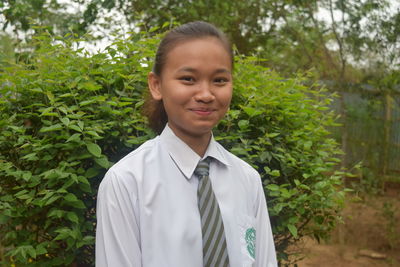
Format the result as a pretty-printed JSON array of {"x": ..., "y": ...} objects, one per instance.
[{"x": 370, "y": 235}]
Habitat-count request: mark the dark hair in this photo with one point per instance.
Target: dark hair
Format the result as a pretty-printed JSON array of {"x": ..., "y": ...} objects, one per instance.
[{"x": 154, "y": 109}]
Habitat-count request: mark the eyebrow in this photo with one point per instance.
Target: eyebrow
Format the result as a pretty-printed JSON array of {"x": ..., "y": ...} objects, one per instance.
[{"x": 190, "y": 69}]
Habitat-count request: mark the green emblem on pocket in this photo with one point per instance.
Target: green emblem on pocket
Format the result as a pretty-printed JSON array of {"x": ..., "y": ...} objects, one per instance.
[{"x": 251, "y": 241}]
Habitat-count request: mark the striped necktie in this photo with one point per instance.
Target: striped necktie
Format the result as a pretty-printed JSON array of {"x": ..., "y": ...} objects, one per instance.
[{"x": 215, "y": 253}]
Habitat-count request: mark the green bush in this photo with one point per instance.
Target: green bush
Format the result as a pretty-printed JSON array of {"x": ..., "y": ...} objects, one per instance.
[
  {"x": 66, "y": 116},
  {"x": 280, "y": 127}
]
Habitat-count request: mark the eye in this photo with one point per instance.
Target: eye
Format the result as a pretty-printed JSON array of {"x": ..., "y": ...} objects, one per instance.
[
  {"x": 187, "y": 79},
  {"x": 221, "y": 81}
]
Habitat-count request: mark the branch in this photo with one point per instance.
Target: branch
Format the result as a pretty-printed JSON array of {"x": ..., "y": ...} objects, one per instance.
[
  {"x": 339, "y": 41},
  {"x": 321, "y": 39}
]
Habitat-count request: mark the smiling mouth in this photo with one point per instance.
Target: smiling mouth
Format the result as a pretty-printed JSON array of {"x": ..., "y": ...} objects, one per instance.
[{"x": 203, "y": 112}]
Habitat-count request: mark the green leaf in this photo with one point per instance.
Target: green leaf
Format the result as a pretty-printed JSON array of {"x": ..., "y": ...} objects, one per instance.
[
  {"x": 65, "y": 121},
  {"x": 70, "y": 197},
  {"x": 51, "y": 200},
  {"x": 27, "y": 176},
  {"x": 31, "y": 251},
  {"x": 50, "y": 96},
  {"x": 74, "y": 138},
  {"x": 36, "y": 90},
  {"x": 278, "y": 207},
  {"x": 81, "y": 124},
  {"x": 72, "y": 217},
  {"x": 79, "y": 205},
  {"x": 272, "y": 135},
  {"x": 85, "y": 187},
  {"x": 94, "y": 149},
  {"x": 63, "y": 233},
  {"x": 87, "y": 102},
  {"x": 292, "y": 230},
  {"x": 31, "y": 157},
  {"x": 41, "y": 249},
  {"x": 20, "y": 193},
  {"x": 153, "y": 29},
  {"x": 252, "y": 111},
  {"x": 308, "y": 144},
  {"x": 22, "y": 250},
  {"x": 55, "y": 213},
  {"x": 91, "y": 86},
  {"x": 92, "y": 172},
  {"x": 275, "y": 173},
  {"x": 103, "y": 162},
  {"x": 165, "y": 24},
  {"x": 243, "y": 124},
  {"x": 92, "y": 133},
  {"x": 50, "y": 114},
  {"x": 87, "y": 240},
  {"x": 285, "y": 193},
  {"x": 55, "y": 127},
  {"x": 273, "y": 187},
  {"x": 75, "y": 127},
  {"x": 82, "y": 179}
]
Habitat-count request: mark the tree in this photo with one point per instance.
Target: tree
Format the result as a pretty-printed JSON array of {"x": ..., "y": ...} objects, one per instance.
[
  {"x": 332, "y": 37},
  {"x": 22, "y": 16},
  {"x": 340, "y": 40}
]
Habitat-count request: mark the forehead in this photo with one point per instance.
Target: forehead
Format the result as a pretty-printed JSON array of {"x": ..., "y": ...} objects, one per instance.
[{"x": 197, "y": 52}]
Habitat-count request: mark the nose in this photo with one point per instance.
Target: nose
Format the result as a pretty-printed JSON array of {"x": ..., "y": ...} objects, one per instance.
[{"x": 204, "y": 93}]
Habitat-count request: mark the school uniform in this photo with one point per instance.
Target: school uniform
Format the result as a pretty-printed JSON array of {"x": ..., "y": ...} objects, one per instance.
[{"x": 147, "y": 208}]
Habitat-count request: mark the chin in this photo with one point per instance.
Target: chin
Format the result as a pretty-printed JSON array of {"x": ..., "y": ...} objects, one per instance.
[
  {"x": 200, "y": 130},
  {"x": 204, "y": 127}
]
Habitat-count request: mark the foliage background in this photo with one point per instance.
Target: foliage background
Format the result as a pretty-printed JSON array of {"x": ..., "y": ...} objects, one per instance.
[
  {"x": 340, "y": 40},
  {"x": 67, "y": 115}
]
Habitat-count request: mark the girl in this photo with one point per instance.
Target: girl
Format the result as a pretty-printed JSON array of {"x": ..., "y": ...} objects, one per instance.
[{"x": 181, "y": 199}]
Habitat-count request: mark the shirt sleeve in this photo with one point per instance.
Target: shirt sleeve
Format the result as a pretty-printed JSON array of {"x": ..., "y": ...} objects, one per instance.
[
  {"x": 117, "y": 230},
  {"x": 265, "y": 247}
]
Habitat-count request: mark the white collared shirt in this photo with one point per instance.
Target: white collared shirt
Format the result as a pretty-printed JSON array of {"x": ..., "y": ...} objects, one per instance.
[{"x": 147, "y": 211}]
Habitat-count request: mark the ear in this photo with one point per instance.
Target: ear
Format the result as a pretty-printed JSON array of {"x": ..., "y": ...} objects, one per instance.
[{"x": 154, "y": 82}]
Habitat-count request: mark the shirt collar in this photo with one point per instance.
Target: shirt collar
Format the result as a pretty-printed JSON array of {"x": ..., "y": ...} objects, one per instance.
[{"x": 184, "y": 157}]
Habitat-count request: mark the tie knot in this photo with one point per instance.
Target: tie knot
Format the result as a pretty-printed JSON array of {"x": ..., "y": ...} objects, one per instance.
[{"x": 202, "y": 168}]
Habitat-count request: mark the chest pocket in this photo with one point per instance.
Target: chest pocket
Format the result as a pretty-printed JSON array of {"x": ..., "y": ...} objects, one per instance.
[{"x": 247, "y": 236}]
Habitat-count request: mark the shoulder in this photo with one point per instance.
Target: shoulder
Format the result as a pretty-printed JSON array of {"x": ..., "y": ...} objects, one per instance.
[
  {"x": 127, "y": 170},
  {"x": 240, "y": 166},
  {"x": 137, "y": 156}
]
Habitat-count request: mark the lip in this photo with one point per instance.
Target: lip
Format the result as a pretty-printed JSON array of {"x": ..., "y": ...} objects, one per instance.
[{"x": 202, "y": 111}]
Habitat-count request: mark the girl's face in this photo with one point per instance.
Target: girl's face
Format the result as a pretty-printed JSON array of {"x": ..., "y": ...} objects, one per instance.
[{"x": 195, "y": 86}]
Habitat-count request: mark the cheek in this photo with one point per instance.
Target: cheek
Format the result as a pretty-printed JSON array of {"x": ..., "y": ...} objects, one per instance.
[
  {"x": 170, "y": 98},
  {"x": 226, "y": 97}
]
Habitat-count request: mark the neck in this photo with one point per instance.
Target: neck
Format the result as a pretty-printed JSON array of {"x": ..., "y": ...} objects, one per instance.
[{"x": 198, "y": 143}]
